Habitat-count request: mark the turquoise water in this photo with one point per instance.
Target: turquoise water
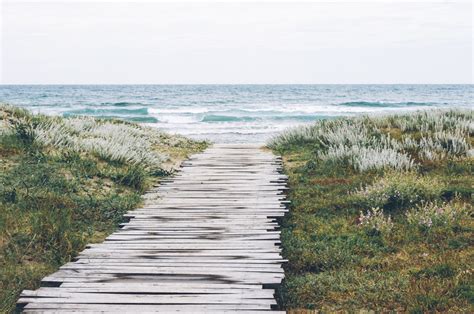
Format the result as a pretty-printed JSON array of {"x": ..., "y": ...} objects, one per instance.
[{"x": 232, "y": 113}]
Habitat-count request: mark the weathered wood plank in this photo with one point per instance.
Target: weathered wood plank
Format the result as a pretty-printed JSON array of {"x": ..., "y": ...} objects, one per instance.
[{"x": 138, "y": 308}]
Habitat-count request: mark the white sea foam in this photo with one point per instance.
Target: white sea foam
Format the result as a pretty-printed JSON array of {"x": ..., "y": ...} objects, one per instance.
[
  {"x": 178, "y": 119},
  {"x": 159, "y": 111}
]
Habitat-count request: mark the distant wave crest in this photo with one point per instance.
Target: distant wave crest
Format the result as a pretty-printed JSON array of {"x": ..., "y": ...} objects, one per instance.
[
  {"x": 124, "y": 104},
  {"x": 106, "y": 111},
  {"x": 222, "y": 118},
  {"x": 383, "y": 104},
  {"x": 129, "y": 114}
]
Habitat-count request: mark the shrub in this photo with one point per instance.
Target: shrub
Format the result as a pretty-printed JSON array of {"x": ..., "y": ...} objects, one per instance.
[
  {"x": 431, "y": 121},
  {"x": 400, "y": 190},
  {"x": 364, "y": 143},
  {"x": 375, "y": 221},
  {"x": 363, "y": 158},
  {"x": 430, "y": 214},
  {"x": 134, "y": 176},
  {"x": 327, "y": 133},
  {"x": 24, "y": 130},
  {"x": 109, "y": 140},
  {"x": 440, "y": 145}
]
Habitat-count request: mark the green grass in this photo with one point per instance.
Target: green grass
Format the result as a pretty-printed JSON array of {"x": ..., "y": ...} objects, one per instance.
[
  {"x": 56, "y": 198},
  {"x": 340, "y": 262}
]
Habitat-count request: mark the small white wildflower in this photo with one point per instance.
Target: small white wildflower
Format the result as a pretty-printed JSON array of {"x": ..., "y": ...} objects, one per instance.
[{"x": 375, "y": 219}]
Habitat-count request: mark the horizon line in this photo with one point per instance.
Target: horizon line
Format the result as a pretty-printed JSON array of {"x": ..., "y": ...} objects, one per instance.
[{"x": 223, "y": 84}]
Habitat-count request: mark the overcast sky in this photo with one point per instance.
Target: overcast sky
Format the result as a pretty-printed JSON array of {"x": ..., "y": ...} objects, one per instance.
[{"x": 325, "y": 42}]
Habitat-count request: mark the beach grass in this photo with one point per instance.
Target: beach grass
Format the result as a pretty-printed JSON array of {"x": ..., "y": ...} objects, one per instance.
[
  {"x": 381, "y": 213},
  {"x": 66, "y": 182}
]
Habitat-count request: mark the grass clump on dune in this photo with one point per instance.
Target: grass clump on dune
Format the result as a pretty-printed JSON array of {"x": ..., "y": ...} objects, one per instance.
[
  {"x": 66, "y": 182},
  {"x": 382, "y": 213}
]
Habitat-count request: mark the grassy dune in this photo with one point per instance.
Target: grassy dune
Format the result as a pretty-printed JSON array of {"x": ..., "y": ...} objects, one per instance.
[
  {"x": 381, "y": 215},
  {"x": 66, "y": 182}
]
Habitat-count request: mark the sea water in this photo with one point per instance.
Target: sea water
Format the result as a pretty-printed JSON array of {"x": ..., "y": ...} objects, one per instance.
[{"x": 232, "y": 113}]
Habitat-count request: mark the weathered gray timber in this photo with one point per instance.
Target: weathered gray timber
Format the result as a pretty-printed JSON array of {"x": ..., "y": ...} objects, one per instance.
[{"x": 206, "y": 240}]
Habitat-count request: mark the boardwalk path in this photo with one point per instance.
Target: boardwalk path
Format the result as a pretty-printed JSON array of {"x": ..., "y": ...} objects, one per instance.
[{"x": 205, "y": 241}]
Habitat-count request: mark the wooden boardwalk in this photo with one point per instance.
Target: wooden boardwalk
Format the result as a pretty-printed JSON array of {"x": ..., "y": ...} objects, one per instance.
[{"x": 206, "y": 240}]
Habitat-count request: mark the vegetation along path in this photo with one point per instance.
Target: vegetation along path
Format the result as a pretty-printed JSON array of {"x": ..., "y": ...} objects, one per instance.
[{"x": 205, "y": 240}]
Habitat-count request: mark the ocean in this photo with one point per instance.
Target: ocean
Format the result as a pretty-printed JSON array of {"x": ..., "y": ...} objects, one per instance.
[{"x": 232, "y": 113}]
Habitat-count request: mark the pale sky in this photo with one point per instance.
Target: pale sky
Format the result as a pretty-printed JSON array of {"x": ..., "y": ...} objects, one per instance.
[{"x": 117, "y": 42}]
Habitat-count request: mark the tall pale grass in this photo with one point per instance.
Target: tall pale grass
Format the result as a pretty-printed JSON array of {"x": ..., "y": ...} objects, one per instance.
[
  {"x": 365, "y": 144},
  {"x": 108, "y": 139},
  {"x": 367, "y": 158}
]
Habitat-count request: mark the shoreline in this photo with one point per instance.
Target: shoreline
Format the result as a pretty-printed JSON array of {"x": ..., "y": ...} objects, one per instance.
[{"x": 226, "y": 113}]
